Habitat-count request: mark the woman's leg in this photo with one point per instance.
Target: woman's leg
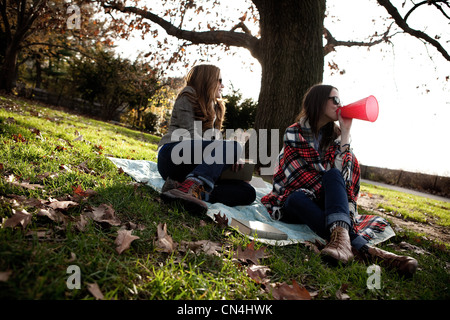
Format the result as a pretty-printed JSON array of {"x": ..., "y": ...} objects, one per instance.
[
  {"x": 198, "y": 164},
  {"x": 330, "y": 220},
  {"x": 233, "y": 193},
  {"x": 201, "y": 159},
  {"x": 300, "y": 209},
  {"x": 168, "y": 168},
  {"x": 218, "y": 155},
  {"x": 336, "y": 205}
]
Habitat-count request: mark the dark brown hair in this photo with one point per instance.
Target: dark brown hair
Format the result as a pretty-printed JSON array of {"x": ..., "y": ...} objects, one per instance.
[{"x": 313, "y": 106}]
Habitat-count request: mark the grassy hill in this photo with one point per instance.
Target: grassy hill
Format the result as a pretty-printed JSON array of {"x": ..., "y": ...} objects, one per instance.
[{"x": 68, "y": 212}]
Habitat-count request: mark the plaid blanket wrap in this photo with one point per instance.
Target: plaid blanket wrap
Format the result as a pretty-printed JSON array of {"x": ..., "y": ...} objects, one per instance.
[{"x": 300, "y": 168}]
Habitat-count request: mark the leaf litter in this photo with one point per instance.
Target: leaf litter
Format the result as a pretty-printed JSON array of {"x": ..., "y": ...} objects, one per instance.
[{"x": 57, "y": 210}]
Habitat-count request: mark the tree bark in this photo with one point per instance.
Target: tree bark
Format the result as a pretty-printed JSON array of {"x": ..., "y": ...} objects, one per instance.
[
  {"x": 291, "y": 58},
  {"x": 8, "y": 69}
]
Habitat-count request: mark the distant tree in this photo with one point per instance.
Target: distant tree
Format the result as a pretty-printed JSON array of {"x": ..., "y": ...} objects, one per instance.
[
  {"x": 103, "y": 79},
  {"x": 35, "y": 30},
  {"x": 118, "y": 85},
  {"x": 239, "y": 114}
]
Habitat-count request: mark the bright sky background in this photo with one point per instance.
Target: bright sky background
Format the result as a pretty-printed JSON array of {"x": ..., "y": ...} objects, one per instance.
[{"x": 411, "y": 132}]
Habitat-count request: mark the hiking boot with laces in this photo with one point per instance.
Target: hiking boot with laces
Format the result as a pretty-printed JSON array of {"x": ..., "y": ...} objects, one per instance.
[
  {"x": 339, "y": 247},
  {"x": 188, "y": 193},
  {"x": 404, "y": 265},
  {"x": 169, "y": 184}
]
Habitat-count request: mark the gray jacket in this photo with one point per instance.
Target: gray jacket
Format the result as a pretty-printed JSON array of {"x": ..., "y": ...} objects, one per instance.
[{"x": 182, "y": 121}]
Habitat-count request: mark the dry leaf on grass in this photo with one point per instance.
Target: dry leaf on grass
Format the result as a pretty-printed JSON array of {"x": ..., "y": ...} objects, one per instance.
[
  {"x": 284, "y": 291},
  {"x": 124, "y": 239},
  {"x": 222, "y": 221},
  {"x": 4, "y": 275},
  {"x": 104, "y": 213},
  {"x": 79, "y": 192},
  {"x": 11, "y": 179},
  {"x": 249, "y": 254},
  {"x": 52, "y": 214},
  {"x": 206, "y": 246},
  {"x": 341, "y": 294},
  {"x": 62, "y": 205},
  {"x": 18, "y": 201},
  {"x": 95, "y": 291},
  {"x": 164, "y": 242},
  {"x": 19, "y": 217},
  {"x": 258, "y": 273}
]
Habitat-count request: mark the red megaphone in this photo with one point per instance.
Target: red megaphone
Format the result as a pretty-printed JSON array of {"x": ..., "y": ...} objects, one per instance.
[{"x": 364, "y": 109}]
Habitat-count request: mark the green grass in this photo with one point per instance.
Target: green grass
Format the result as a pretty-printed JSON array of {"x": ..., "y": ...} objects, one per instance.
[
  {"x": 410, "y": 206},
  {"x": 37, "y": 257}
]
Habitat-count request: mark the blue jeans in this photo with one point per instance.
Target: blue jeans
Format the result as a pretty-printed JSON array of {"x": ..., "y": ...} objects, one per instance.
[
  {"x": 205, "y": 160},
  {"x": 320, "y": 215}
]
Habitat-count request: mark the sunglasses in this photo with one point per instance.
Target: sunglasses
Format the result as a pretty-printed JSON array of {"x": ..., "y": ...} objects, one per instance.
[
  {"x": 336, "y": 100},
  {"x": 220, "y": 80}
]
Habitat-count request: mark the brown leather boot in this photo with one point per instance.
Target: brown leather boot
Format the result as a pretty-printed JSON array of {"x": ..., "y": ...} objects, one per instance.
[
  {"x": 169, "y": 184},
  {"x": 339, "y": 247},
  {"x": 404, "y": 265},
  {"x": 188, "y": 194}
]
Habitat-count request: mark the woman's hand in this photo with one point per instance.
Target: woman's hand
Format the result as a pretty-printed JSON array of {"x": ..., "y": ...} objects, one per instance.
[
  {"x": 345, "y": 124},
  {"x": 237, "y": 166}
]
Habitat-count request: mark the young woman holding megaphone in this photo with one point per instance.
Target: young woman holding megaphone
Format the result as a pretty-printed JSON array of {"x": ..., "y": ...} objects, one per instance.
[{"x": 317, "y": 180}]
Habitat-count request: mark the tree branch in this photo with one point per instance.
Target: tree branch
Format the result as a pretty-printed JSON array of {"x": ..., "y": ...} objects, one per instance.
[
  {"x": 434, "y": 2},
  {"x": 332, "y": 42},
  {"x": 243, "y": 27},
  {"x": 230, "y": 38},
  {"x": 392, "y": 10},
  {"x": 71, "y": 48}
]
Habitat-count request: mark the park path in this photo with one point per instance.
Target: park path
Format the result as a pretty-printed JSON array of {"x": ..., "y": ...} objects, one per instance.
[{"x": 405, "y": 190}]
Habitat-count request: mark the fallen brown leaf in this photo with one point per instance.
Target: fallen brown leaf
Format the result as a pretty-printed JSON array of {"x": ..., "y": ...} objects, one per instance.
[
  {"x": 81, "y": 222},
  {"x": 4, "y": 275},
  {"x": 21, "y": 217},
  {"x": 52, "y": 214},
  {"x": 164, "y": 242},
  {"x": 258, "y": 273},
  {"x": 12, "y": 180},
  {"x": 341, "y": 294},
  {"x": 222, "y": 221},
  {"x": 104, "y": 213},
  {"x": 62, "y": 205},
  {"x": 124, "y": 239},
  {"x": 19, "y": 200},
  {"x": 290, "y": 292},
  {"x": 83, "y": 193},
  {"x": 206, "y": 246},
  {"x": 95, "y": 291},
  {"x": 19, "y": 138},
  {"x": 250, "y": 254}
]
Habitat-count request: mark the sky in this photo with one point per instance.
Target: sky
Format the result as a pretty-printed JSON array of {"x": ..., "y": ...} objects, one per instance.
[{"x": 407, "y": 78}]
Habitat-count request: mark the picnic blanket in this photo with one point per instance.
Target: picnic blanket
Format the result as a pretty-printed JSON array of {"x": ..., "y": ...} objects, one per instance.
[{"x": 147, "y": 172}]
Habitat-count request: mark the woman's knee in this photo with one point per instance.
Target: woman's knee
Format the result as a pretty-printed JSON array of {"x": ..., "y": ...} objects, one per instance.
[{"x": 333, "y": 174}]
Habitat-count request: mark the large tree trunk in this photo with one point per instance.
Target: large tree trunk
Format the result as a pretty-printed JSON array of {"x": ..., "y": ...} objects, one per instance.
[
  {"x": 291, "y": 57},
  {"x": 9, "y": 68}
]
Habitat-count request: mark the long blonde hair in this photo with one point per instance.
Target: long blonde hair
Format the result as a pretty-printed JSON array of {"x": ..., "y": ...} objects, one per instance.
[{"x": 210, "y": 110}]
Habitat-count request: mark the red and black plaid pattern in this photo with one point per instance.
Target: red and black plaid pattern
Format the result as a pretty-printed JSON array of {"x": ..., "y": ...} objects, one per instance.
[{"x": 300, "y": 167}]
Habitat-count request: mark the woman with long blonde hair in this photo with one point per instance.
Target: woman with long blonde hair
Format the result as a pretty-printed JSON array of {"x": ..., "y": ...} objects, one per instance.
[{"x": 192, "y": 166}]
